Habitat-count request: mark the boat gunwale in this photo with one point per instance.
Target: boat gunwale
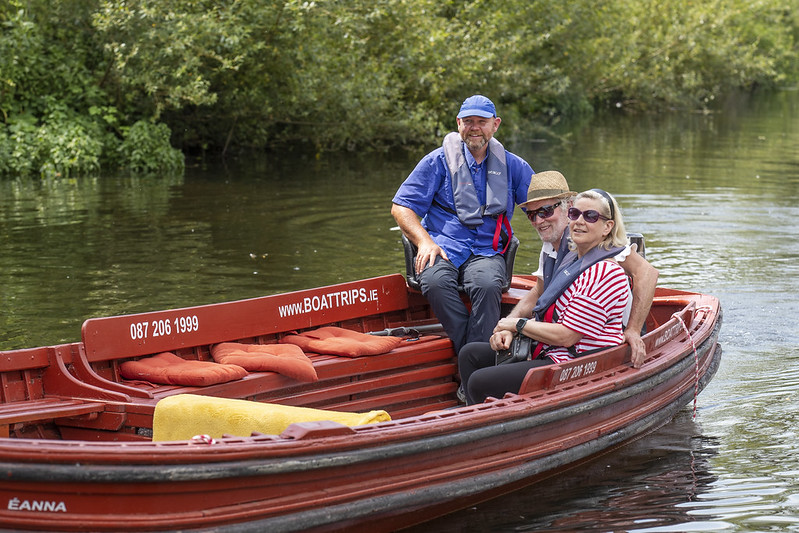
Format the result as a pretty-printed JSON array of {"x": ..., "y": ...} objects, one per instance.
[{"x": 398, "y": 438}]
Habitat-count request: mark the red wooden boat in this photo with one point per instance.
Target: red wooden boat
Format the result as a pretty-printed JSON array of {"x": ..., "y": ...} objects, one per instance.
[{"x": 77, "y": 454}]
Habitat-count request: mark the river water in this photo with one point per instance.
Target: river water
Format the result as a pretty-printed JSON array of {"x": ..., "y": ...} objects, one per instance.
[{"x": 716, "y": 196}]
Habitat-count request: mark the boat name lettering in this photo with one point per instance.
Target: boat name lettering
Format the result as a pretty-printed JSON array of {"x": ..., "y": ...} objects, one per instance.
[
  {"x": 164, "y": 327},
  {"x": 15, "y": 504},
  {"x": 669, "y": 334},
  {"x": 576, "y": 371},
  {"x": 328, "y": 301}
]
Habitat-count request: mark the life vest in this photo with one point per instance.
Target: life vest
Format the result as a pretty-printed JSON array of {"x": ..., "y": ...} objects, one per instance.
[
  {"x": 468, "y": 208},
  {"x": 568, "y": 270},
  {"x": 551, "y": 264}
]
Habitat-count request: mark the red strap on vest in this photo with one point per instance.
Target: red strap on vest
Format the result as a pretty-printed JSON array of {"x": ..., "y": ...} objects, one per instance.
[
  {"x": 548, "y": 317},
  {"x": 502, "y": 220}
]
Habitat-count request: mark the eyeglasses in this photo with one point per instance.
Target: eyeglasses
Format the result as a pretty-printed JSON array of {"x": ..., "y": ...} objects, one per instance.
[
  {"x": 589, "y": 215},
  {"x": 543, "y": 212}
]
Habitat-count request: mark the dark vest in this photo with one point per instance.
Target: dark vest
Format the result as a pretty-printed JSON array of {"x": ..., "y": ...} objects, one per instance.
[
  {"x": 551, "y": 264},
  {"x": 569, "y": 269}
]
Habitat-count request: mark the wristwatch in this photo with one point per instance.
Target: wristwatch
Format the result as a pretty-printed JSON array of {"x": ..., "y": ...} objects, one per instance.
[{"x": 520, "y": 325}]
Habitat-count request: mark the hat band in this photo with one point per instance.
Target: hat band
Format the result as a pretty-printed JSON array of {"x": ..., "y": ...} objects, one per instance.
[{"x": 546, "y": 193}]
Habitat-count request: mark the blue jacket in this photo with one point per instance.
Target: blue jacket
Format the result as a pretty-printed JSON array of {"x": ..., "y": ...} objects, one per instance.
[{"x": 428, "y": 192}]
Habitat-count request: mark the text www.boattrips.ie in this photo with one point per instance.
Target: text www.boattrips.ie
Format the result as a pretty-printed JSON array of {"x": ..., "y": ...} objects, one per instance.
[{"x": 328, "y": 301}]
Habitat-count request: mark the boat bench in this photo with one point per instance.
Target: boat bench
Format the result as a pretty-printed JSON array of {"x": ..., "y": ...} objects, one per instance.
[
  {"x": 23, "y": 378},
  {"x": 344, "y": 383}
]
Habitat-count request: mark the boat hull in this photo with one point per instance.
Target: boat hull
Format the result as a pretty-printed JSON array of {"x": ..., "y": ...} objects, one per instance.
[{"x": 323, "y": 476}]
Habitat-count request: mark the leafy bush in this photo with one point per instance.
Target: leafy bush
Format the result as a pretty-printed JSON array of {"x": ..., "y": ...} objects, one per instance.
[
  {"x": 53, "y": 149},
  {"x": 91, "y": 84},
  {"x": 146, "y": 149}
]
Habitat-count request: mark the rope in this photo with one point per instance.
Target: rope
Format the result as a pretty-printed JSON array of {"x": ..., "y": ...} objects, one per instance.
[
  {"x": 705, "y": 309},
  {"x": 203, "y": 439}
]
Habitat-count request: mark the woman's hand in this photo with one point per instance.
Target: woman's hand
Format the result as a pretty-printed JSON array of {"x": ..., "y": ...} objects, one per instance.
[{"x": 500, "y": 340}]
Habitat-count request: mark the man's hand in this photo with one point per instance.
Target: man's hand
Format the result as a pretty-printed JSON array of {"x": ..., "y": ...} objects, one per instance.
[
  {"x": 637, "y": 347},
  {"x": 426, "y": 247},
  {"x": 426, "y": 255}
]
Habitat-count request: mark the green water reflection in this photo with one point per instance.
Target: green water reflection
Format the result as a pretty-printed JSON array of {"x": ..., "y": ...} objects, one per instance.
[{"x": 77, "y": 248}]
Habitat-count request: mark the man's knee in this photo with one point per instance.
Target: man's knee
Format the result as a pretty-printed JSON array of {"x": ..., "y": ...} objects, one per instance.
[
  {"x": 441, "y": 276},
  {"x": 485, "y": 274}
]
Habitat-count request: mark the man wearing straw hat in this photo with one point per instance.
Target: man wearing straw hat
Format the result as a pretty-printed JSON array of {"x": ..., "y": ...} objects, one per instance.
[
  {"x": 464, "y": 192},
  {"x": 548, "y": 200}
]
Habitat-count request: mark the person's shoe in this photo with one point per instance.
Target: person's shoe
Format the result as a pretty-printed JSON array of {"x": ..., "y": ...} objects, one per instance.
[{"x": 461, "y": 394}]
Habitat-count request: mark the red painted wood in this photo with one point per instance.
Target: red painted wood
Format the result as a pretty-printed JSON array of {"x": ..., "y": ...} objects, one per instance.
[
  {"x": 378, "y": 478},
  {"x": 150, "y": 333}
]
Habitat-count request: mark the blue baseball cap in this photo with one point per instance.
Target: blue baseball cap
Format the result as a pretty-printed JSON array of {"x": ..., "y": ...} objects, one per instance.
[{"x": 477, "y": 106}]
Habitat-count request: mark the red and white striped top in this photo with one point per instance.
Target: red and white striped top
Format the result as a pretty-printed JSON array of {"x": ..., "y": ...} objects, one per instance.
[{"x": 594, "y": 306}]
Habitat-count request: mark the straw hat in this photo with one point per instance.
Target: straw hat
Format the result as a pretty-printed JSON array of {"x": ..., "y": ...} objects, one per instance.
[{"x": 547, "y": 185}]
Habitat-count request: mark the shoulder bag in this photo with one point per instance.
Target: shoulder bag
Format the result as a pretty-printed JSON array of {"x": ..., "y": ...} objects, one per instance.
[{"x": 520, "y": 349}]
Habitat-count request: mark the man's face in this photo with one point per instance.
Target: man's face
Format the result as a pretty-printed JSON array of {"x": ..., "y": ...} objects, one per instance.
[
  {"x": 477, "y": 131},
  {"x": 550, "y": 228}
]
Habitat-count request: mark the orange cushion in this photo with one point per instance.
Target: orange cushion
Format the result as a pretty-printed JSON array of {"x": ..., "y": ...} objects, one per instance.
[
  {"x": 340, "y": 341},
  {"x": 286, "y": 359},
  {"x": 167, "y": 368}
]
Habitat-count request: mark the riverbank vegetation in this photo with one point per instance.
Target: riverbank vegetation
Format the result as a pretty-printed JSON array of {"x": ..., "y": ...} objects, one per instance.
[{"x": 87, "y": 85}]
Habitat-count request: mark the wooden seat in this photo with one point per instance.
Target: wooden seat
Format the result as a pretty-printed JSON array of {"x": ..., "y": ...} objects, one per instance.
[
  {"x": 44, "y": 410},
  {"x": 24, "y": 374},
  {"x": 404, "y": 381},
  {"x": 391, "y": 383}
]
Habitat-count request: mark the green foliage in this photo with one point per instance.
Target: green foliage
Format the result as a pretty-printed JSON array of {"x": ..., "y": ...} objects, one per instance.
[
  {"x": 58, "y": 116},
  {"x": 146, "y": 149},
  {"x": 84, "y": 84},
  {"x": 53, "y": 147}
]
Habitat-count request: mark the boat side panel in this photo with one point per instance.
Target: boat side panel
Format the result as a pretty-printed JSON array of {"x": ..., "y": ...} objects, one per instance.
[
  {"x": 161, "y": 331},
  {"x": 319, "y": 492}
]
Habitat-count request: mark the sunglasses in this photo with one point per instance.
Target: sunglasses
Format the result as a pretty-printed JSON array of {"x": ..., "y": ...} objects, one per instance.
[
  {"x": 543, "y": 212},
  {"x": 589, "y": 215}
]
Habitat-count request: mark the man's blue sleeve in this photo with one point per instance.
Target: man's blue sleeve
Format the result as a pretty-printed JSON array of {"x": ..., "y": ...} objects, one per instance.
[
  {"x": 520, "y": 172},
  {"x": 420, "y": 187}
]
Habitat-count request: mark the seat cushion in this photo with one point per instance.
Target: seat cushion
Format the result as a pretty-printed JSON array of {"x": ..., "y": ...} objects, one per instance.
[
  {"x": 339, "y": 341},
  {"x": 169, "y": 369},
  {"x": 286, "y": 359}
]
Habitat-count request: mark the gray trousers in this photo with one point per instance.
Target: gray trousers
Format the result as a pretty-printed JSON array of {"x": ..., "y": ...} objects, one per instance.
[{"x": 482, "y": 279}]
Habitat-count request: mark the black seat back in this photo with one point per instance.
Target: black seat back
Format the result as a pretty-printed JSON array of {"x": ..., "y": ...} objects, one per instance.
[{"x": 413, "y": 279}]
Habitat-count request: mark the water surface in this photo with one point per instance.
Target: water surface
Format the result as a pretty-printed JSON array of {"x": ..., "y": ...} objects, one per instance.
[{"x": 716, "y": 195}]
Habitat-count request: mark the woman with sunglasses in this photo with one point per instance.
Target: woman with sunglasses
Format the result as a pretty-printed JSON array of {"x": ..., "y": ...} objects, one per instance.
[{"x": 580, "y": 311}]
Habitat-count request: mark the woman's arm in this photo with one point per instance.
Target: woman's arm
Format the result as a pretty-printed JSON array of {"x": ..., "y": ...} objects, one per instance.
[{"x": 546, "y": 332}]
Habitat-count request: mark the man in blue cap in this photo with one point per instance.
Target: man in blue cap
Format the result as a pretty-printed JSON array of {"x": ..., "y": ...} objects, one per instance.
[{"x": 464, "y": 193}]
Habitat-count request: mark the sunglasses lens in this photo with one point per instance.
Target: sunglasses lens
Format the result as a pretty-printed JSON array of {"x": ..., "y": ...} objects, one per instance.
[
  {"x": 543, "y": 212},
  {"x": 591, "y": 216}
]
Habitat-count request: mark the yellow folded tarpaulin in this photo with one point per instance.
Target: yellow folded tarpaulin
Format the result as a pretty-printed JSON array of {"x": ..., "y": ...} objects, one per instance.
[{"x": 183, "y": 416}]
